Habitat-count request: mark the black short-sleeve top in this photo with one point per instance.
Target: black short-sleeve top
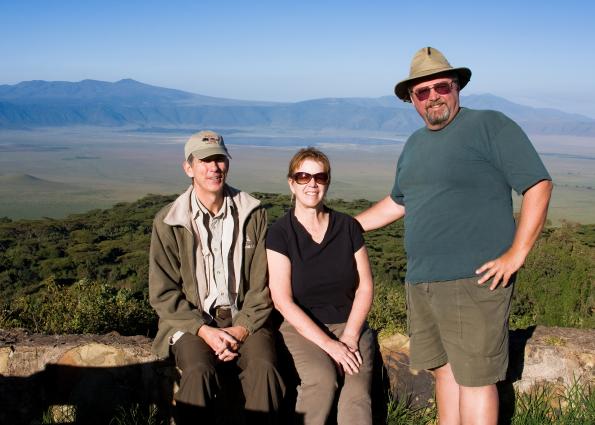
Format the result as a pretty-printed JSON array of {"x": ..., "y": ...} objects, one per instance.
[{"x": 323, "y": 275}]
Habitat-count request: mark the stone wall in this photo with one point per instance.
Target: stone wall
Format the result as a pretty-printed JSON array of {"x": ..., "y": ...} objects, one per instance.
[
  {"x": 91, "y": 375},
  {"x": 97, "y": 375},
  {"x": 538, "y": 356}
]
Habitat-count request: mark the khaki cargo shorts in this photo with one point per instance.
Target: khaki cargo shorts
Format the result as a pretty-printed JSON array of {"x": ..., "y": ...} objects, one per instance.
[{"x": 461, "y": 323}]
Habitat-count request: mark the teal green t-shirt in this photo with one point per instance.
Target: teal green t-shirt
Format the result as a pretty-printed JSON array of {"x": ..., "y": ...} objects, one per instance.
[{"x": 455, "y": 184}]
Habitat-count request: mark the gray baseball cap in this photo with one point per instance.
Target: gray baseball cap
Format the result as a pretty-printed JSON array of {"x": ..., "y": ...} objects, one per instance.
[{"x": 204, "y": 144}]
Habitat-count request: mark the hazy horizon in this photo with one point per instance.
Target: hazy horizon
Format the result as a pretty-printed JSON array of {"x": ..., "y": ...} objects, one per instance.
[
  {"x": 531, "y": 53},
  {"x": 56, "y": 172}
]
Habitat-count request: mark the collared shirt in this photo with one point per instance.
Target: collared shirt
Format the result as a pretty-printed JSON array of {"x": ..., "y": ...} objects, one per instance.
[{"x": 216, "y": 239}]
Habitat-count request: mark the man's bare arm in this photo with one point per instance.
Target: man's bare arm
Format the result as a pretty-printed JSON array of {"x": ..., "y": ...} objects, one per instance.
[
  {"x": 381, "y": 214},
  {"x": 531, "y": 221}
]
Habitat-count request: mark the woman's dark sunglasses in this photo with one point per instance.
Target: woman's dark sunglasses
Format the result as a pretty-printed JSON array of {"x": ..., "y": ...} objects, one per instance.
[
  {"x": 304, "y": 178},
  {"x": 440, "y": 88}
]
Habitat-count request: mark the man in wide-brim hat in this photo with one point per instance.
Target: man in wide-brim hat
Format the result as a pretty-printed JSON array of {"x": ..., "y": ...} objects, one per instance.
[{"x": 453, "y": 186}]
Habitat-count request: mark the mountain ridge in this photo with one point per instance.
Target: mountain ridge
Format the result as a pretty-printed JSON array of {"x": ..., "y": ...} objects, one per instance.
[{"x": 128, "y": 102}]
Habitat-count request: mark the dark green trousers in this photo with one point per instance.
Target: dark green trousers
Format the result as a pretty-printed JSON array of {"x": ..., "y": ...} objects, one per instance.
[{"x": 201, "y": 392}]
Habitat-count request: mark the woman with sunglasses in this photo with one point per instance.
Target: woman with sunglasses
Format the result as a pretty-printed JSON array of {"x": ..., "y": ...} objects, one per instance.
[{"x": 321, "y": 283}]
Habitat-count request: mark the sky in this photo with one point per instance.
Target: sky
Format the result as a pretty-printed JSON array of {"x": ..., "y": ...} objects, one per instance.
[{"x": 536, "y": 53}]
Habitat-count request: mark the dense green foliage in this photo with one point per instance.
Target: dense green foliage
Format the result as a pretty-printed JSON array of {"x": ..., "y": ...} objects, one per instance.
[
  {"x": 556, "y": 285},
  {"x": 85, "y": 273},
  {"x": 108, "y": 245},
  {"x": 88, "y": 272},
  {"x": 83, "y": 307}
]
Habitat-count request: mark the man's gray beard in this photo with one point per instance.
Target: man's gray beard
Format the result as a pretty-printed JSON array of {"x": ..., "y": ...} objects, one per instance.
[{"x": 434, "y": 119}]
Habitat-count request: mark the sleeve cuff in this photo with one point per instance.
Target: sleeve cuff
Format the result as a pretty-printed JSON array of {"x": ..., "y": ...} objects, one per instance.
[{"x": 174, "y": 338}]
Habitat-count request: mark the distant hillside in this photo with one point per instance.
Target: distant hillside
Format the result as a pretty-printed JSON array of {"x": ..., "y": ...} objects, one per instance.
[
  {"x": 28, "y": 196},
  {"x": 534, "y": 120},
  {"x": 130, "y": 103},
  {"x": 31, "y": 183}
]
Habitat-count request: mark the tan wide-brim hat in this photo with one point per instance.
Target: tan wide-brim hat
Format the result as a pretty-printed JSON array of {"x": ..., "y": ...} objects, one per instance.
[{"x": 427, "y": 62}]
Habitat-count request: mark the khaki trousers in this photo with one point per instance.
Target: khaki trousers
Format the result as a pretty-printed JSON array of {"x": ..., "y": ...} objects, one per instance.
[
  {"x": 320, "y": 381},
  {"x": 200, "y": 389}
]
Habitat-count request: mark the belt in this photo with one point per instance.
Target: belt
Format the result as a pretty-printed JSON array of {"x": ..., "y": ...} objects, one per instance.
[{"x": 222, "y": 313}]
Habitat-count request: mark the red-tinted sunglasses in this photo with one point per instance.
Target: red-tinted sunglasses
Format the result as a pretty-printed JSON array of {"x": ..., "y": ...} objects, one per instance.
[
  {"x": 304, "y": 178},
  {"x": 443, "y": 88}
]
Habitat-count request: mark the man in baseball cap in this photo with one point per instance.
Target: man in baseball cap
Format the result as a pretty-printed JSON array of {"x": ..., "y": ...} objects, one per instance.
[
  {"x": 208, "y": 285},
  {"x": 453, "y": 186}
]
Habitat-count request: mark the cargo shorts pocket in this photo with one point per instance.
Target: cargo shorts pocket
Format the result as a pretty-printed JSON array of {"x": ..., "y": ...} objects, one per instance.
[{"x": 483, "y": 317}]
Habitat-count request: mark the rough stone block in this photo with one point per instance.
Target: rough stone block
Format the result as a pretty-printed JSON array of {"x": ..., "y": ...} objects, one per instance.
[{"x": 89, "y": 377}]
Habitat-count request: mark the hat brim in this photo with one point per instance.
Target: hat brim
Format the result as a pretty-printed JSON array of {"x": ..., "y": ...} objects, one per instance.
[
  {"x": 402, "y": 87},
  {"x": 215, "y": 150}
]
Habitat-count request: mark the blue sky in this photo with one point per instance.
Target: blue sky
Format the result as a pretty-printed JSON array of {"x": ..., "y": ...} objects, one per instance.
[{"x": 531, "y": 52}]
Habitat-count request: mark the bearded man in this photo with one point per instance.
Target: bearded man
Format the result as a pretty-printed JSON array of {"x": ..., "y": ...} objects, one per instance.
[{"x": 453, "y": 186}]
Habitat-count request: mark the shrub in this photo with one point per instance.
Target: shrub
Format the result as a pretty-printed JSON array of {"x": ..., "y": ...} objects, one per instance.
[
  {"x": 388, "y": 314},
  {"x": 84, "y": 307},
  {"x": 556, "y": 287}
]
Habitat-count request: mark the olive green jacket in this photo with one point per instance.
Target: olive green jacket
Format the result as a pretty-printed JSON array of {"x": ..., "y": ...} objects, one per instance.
[{"x": 174, "y": 287}]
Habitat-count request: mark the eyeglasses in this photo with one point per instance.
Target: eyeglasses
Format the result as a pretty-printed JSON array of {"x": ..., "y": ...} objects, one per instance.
[
  {"x": 304, "y": 178},
  {"x": 443, "y": 88}
]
